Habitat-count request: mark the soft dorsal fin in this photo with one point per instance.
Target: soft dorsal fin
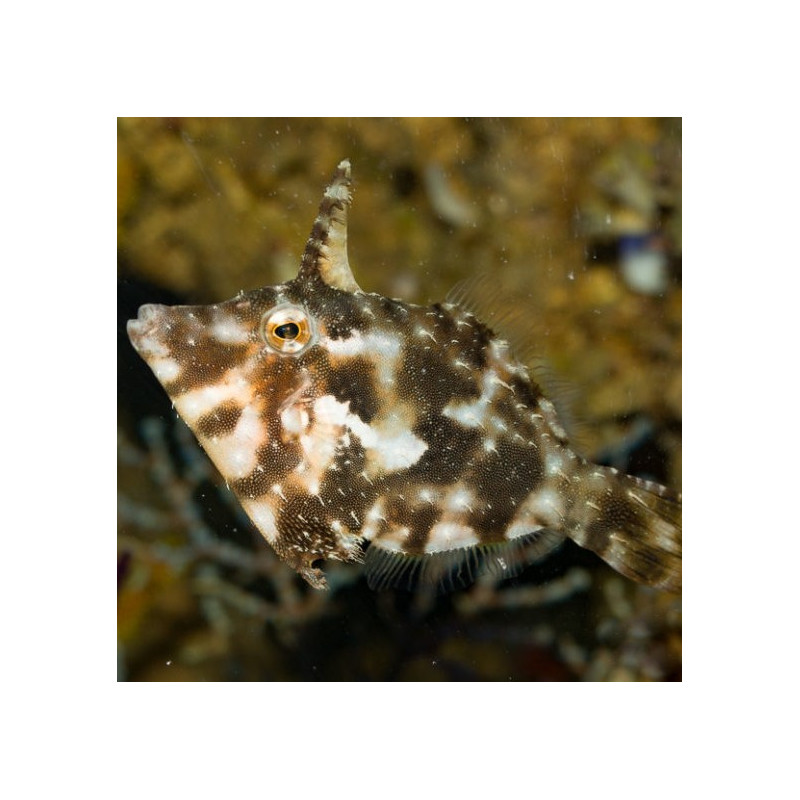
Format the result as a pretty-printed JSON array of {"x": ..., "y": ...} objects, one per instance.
[
  {"x": 515, "y": 321},
  {"x": 325, "y": 255}
]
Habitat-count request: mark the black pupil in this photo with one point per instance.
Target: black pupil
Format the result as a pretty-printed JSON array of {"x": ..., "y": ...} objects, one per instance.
[{"x": 289, "y": 330}]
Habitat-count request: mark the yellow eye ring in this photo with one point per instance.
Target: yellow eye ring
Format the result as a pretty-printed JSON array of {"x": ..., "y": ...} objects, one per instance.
[{"x": 287, "y": 329}]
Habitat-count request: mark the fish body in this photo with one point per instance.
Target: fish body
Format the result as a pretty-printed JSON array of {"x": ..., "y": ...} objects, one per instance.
[{"x": 352, "y": 426}]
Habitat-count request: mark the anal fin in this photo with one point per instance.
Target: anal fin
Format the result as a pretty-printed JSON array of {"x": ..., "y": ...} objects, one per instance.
[{"x": 449, "y": 570}]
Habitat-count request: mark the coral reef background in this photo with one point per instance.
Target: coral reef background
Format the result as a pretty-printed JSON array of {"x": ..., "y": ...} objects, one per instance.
[{"x": 568, "y": 232}]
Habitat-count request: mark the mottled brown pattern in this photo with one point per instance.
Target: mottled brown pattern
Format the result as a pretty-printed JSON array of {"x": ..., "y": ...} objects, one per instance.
[
  {"x": 409, "y": 430},
  {"x": 362, "y": 393},
  {"x": 449, "y": 451},
  {"x": 222, "y": 420}
]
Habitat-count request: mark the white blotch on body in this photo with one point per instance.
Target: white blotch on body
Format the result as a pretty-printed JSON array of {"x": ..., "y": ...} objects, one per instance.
[
  {"x": 262, "y": 513},
  {"x": 236, "y": 454},
  {"x": 477, "y": 413},
  {"x": 394, "y": 539},
  {"x": 165, "y": 369},
  {"x": 427, "y": 496},
  {"x": 459, "y": 500},
  {"x": 547, "y": 506},
  {"x": 450, "y": 535},
  {"x": 522, "y": 527},
  {"x": 554, "y": 463},
  {"x": 199, "y": 402},
  {"x": 228, "y": 330},
  {"x": 381, "y": 348},
  {"x": 294, "y": 419},
  {"x": 373, "y": 520},
  {"x": 390, "y": 445}
]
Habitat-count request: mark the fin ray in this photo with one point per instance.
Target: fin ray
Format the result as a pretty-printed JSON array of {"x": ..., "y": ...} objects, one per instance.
[
  {"x": 449, "y": 570},
  {"x": 637, "y": 530},
  {"x": 515, "y": 321}
]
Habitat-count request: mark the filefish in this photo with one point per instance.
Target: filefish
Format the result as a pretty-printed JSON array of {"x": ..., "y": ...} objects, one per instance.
[{"x": 361, "y": 428}]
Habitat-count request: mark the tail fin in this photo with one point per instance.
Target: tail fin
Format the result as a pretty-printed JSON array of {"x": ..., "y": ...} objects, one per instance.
[{"x": 632, "y": 524}]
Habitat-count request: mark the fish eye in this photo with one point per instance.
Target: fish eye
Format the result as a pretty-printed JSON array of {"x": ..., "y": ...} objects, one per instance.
[{"x": 287, "y": 329}]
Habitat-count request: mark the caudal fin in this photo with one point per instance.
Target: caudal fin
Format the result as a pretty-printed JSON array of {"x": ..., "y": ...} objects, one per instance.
[{"x": 632, "y": 524}]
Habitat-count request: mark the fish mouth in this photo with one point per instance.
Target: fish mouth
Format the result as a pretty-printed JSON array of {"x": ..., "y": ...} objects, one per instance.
[{"x": 145, "y": 331}]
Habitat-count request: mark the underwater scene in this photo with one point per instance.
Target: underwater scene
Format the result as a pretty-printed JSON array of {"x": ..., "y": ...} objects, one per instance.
[{"x": 471, "y": 336}]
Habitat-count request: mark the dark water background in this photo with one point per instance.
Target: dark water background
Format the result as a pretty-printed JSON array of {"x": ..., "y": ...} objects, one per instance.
[{"x": 576, "y": 224}]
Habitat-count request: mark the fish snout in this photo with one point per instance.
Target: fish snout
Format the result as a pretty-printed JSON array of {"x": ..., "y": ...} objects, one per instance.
[{"x": 145, "y": 332}]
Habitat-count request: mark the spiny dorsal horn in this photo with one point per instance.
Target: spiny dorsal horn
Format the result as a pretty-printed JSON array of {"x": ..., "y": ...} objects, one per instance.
[{"x": 326, "y": 250}]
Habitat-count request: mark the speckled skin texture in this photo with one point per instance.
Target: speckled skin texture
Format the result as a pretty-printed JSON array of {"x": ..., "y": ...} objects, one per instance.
[{"x": 344, "y": 420}]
